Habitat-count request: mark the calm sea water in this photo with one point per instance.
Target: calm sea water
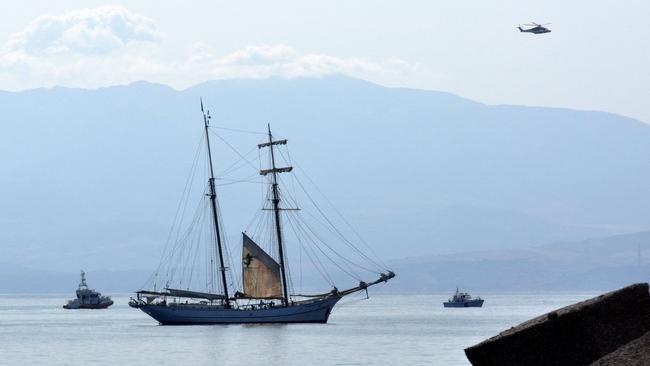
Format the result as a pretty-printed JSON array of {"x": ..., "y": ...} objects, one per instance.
[{"x": 384, "y": 330}]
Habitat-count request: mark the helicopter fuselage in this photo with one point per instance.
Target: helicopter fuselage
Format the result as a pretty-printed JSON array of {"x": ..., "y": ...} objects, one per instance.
[{"x": 536, "y": 30}]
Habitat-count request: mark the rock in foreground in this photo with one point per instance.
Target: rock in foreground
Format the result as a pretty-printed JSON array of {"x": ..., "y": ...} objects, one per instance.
[
  {"x": 579, "y": 334},
  {"x": 635, "y": 353}
]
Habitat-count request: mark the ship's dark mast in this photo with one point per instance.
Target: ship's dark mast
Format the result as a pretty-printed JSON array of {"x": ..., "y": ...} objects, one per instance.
[
  {"x": 213, "y": 201},
  {"x": 276, "y": 207}
]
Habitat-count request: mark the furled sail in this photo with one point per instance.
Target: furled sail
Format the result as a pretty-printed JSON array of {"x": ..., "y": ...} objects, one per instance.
[
  {"x": 194, "y": 294},
  {"x": 260, "y": 271}
]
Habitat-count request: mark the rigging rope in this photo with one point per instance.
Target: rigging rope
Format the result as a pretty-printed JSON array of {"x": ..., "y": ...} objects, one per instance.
[
  {"x": 237, "y": 164},
  {"x": 238, "y": 130},
  {"x": 226, "y": 248},
  {"x": 307, "y": 235},
  {"x": 184, "y": 196},
  {"x": 379, "y": 262},
  {"x": 345, "y": 240},
  {"x": 244, "y": 180},
  {"x": 330, "y": 247},
  {"x": 319, "y": 266},
  {"x": 235, "y": 150}
]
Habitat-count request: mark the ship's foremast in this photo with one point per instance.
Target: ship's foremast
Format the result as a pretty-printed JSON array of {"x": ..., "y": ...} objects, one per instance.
[{"x": 213, "y": 202}]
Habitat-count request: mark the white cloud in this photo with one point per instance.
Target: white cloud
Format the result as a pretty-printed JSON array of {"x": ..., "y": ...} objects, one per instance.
[
  {"x": 111, "y": 45},
  {"x": 89, "y": 31},
  {"x": 283, "y": 61},
  {"x": 259, "y": 55},
  {"x": 88, "y": 48}
]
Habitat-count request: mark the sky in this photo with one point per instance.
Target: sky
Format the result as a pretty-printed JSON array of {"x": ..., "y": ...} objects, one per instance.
[{"x": 596, "y": 58}]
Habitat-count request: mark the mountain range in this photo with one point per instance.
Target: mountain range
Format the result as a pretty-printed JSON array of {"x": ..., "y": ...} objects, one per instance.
[{"x": 92, "y": 178}]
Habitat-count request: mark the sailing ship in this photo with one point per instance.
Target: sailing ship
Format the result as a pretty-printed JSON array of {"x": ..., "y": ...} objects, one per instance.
[
  {"x": 88, "y": 298},
  {"x": 265, "y": 294}
]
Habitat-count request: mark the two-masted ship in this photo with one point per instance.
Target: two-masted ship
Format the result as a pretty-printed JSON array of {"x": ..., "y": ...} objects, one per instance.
[{"x": 265, "y": 294}]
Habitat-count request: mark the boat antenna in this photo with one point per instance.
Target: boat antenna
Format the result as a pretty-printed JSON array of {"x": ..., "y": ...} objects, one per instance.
[
  {"x": 213, "y": 201},
  {"x": 82, "y": 283},
  {"x": 276, "y": 206}
]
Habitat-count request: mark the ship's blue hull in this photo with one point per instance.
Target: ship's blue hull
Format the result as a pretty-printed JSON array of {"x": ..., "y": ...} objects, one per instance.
[
  {"x": 181, "y": 314},
  {"x": 464, "y": 304}
]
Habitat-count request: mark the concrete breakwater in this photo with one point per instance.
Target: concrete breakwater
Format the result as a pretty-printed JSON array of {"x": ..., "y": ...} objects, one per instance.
[{"x": 610, "y": 329}]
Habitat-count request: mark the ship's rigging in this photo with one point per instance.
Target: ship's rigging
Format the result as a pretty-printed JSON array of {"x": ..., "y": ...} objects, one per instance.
[{"x": 198, "y": 261}]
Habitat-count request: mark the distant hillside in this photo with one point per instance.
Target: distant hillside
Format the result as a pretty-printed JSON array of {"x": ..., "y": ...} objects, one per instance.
[
  {"x": 91, "y": 178},
  {"x": 593, "y": 264},
  {"x": 588, "y": 265}
]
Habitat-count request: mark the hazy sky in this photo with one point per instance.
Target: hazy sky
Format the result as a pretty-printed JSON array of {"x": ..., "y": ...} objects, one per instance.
[{"x": 597, "y": 56}]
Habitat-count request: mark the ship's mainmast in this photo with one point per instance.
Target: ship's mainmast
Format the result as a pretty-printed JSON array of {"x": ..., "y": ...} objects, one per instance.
[
  {"x": 213, "y": 201},
  {"x": 276, "y": 206}
]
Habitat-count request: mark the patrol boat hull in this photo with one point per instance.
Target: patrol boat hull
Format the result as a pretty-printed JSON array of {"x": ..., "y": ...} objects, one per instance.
[
  {"x": 88, "y": 306},
  {"x": 317, "y": 311},
  {"x": 464, "y": 304}
]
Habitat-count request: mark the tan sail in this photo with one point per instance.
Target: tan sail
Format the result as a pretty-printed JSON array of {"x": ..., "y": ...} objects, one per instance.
[{"x": 260, "y": 271}]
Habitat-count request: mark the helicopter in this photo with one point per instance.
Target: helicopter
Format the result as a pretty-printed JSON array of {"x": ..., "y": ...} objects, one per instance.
[{"x": 536, "y": 28}]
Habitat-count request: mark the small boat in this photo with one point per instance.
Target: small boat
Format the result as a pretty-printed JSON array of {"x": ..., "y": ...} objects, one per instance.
[
  {"x": 463, "y": 300},
  {"x": 88, "y": 298}
]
